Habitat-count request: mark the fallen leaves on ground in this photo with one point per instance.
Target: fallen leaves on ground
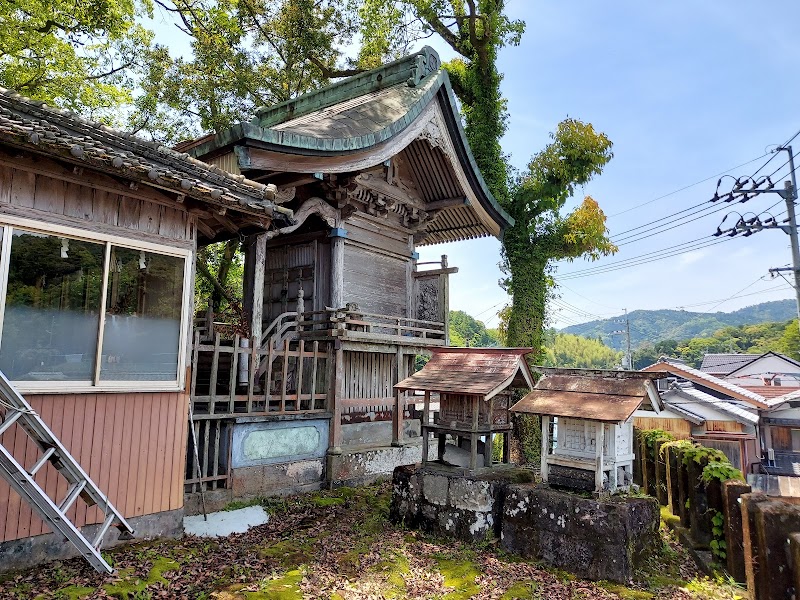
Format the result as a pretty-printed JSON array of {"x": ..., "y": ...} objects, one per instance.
[{"x": 338, "y": 545}]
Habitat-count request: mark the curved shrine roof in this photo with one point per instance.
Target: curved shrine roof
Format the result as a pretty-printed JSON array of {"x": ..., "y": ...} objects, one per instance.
[{"x": 365, "y": 120}]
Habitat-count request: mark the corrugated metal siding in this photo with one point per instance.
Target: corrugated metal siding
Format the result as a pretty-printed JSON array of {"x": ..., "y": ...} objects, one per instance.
[
  {"x": 678, "y": 427},
  {"x": 132, "y": 445},
  {"x": 724, "y": 426}
]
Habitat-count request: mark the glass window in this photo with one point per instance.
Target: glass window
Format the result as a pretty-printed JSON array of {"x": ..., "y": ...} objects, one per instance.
[
  {"x": 52, "y": 308},
  {"x": 141, "y": 339}
]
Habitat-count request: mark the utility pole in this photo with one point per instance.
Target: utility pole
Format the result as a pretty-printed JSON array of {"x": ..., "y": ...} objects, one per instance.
[
  {"x": 627, "y": 334},
  {"x": 750, "y": 226},
  {"x": 790, "y": 199}
]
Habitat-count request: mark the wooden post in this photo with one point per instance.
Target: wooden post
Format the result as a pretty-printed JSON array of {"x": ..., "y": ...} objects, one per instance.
[
  {"x": 599, "y": 441},
  {"x": 335, "y": 403},
  {"x": 426, "y": 411},
  {"x": 337, "y": 236},
  {"x": 612, "y": 474},
  {"x": 473, "y": 437},
  {"x": 399, "y": 405},
  {"x": 257, "y": 310},
  {"x": 545, "y": 445},
  {"x": 444, "y": 299}
]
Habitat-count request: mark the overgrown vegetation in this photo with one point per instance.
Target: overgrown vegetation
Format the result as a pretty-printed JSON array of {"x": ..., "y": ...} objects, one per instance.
[{"x": 339, "y": 544}]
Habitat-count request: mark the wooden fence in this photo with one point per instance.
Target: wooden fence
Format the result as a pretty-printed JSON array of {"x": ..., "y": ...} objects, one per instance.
[{"x": 756, "y": 538}]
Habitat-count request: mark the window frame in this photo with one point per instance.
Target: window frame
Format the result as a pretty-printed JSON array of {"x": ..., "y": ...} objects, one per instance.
[{"x": 9, "y": 223}]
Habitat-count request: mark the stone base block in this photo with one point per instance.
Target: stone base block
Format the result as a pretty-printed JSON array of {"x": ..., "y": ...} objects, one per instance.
[
  {"x": 594, "y": 539},
  {"x": 444, "y": 501},
  {"x": 277, "y": 479},
  {"x": 33, "y": 551},
  {"x": 571, "y": 478},
  {"x": 364, "y": 465}
]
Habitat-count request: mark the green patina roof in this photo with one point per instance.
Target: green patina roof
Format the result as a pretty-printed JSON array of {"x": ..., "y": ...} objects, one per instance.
[{"x": 360, "y": 112}]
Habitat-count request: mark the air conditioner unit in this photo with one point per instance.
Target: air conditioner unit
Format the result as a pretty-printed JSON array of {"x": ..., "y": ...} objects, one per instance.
[{"x": 771, "y": 456}]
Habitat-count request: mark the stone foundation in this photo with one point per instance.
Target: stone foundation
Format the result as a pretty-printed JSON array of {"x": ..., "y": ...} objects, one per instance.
[
  {"x": 359, "y": 466},
  {"x": 435, "y": 499},
  {"x": 594, "y": 539},
  {"x": 32, "y": 551}
]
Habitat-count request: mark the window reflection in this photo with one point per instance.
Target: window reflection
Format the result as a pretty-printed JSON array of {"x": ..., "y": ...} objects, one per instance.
[
  {"x": 51, "y": 309},
  {"x": 141, "y": 340}
]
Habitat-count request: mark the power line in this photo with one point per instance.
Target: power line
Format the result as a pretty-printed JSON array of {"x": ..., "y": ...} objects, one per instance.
[
  {"x": 686, "y": 187},
  {"x": 749, "y": 285},
  {"x": 698, "y": 208},
  {"x": 584, "y": 297},
  {"x": 647, "y": 258},
  {"x": 708, "y": 209}
]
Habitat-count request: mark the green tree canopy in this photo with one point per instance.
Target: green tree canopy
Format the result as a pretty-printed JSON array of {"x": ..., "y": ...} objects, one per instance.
[
  {"x": 466, "y": 331},
  {"x": 81, "y": 55},
  {"x": 569, "y": 351}
]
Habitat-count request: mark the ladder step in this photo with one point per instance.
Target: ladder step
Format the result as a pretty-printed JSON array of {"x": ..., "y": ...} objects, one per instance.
[
  {"x": 98, "y": 539},
  {"x": 42, "y": 461},
  {"x": 9, "y": 421},
  {"x": 77, "y": 488}
]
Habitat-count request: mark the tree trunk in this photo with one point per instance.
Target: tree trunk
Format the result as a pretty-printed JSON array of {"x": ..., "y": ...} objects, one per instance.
[{"x": 529, "y": 293}]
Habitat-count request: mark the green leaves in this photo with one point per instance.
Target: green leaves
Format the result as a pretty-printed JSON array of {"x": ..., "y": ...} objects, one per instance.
[
  {"x": 77, "y": 55},
  {"x": 574, "y": 352}
]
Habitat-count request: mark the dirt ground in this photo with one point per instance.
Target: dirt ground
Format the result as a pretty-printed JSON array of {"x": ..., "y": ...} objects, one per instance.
[{"x": 340, "y": 545}]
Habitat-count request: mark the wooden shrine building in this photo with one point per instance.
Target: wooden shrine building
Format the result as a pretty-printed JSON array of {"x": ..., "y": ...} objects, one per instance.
[
  {"x": 587, "y": 425},
  {"x": 372, "y": 167},
  {"x": 473, "y": 390}
]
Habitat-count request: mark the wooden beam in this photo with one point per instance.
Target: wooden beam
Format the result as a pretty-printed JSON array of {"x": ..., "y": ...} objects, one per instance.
[
  {"x": 257, "y": 311},
  {"x": 205, "y": 229},
  {"x": 446, "y": 203},
  {"x": 599, "y": 442},
  {"x": 225, "y": 222}
]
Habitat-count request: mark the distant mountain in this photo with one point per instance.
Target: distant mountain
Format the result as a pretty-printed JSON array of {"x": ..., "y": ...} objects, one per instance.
[{"x": 656, "y": 325}]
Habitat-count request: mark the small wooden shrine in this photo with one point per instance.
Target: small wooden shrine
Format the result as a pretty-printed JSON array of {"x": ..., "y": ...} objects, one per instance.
[
  {"x": 473, "y": 387},
  {"x": 587, "y": 425}
]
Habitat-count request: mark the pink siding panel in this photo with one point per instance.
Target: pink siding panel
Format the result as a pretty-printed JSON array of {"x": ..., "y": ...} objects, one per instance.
[{"x": 132, "y": 445}]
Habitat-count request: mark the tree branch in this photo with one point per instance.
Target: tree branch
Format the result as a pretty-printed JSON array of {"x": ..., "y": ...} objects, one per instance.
[
  {"x": 204, "y": 271},
  {"x": 329, "y": 73}
]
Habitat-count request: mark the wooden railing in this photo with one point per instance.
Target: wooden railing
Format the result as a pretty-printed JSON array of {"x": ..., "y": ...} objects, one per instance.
[
  {"x": 232, "y": 379},
  {"x": 370, "y": 327}
]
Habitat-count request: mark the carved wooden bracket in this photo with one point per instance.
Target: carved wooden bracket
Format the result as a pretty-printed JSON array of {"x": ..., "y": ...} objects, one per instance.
[{"x": 312, "y": 206}]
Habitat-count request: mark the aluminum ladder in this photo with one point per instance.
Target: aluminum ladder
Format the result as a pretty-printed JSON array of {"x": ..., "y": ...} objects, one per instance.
[{"x": 21, "y": 480}]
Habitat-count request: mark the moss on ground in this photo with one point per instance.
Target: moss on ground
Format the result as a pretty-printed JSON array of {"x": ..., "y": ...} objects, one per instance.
[
  {"x": 288, "y": 553},
  {"x": 459, "y": 575},
  {"x": 522, "y": 590},
  {"x": 72, "y": 592},
  {"x": 323, "y": 501},
  {"x": 394, "y": 567},
  {"x": 624, "y": 592},
  {"x": 130, "y": 585}
]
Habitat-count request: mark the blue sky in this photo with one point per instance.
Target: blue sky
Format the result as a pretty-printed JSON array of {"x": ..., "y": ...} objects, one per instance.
[{"x": 685, "y": 90}]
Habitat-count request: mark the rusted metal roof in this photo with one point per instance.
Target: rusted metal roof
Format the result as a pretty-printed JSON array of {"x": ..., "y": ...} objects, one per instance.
[
  {"x": 584, "y": 397},
  {"x": 471, "y": 371}
]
